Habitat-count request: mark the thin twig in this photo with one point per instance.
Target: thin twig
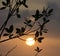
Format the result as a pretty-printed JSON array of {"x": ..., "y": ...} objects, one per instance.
[
  {"x": 9, "y": 15},
  {"x": 14, "y": 38},
  {"x": 36, "y": 54},
  {"x": 10, "y": 50}
]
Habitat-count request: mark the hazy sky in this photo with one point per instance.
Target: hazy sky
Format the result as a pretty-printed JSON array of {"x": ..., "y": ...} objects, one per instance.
[{"x": 51, "y": 43}]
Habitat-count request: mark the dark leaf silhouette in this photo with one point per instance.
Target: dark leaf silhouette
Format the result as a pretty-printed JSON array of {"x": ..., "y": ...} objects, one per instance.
[
  {"x": 17, "y": 30},
  {"x": 10, "y": 29},
  {"x": 38, "y": 50},
  {"x": 8, "y": 1},
  {"x": 37, "y": 15},
  {"x": 24, "y": 3},
  {"x": 18, "y": 15},
  {"x": 47, "y": 21},
  {"x": 28, "y": 22},
  {"x": 36, "y": 34},
  {"x": 2, "y": 8},
  {"x": 6, "y": 34},
  {"x": 45, "y": 30},
  {"x": 4, "y": 3},
  {"x": 44, "y": 11},
  {"x": 44, "y": 19},
  {"x": 50, "y": 11},
  {"x": 30, "y": 25},
  {"x": 40, "y": 39},
  {"x": 22, "y": 29},
  {"x": 17, "y": 10}
]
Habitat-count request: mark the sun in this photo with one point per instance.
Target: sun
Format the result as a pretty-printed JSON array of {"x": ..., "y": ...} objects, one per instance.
[{"x": 30, "y": 41}]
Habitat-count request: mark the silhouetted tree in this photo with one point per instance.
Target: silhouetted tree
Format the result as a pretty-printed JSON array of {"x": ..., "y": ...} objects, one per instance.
[{"x": 38, "y": 32}]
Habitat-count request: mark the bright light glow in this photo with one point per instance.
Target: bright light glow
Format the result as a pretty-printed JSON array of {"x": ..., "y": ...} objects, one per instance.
[{"x": 30, "y": 41}]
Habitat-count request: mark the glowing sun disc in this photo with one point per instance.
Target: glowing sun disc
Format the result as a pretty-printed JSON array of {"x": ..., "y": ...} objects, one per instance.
[{"x": 30, "y": 41}]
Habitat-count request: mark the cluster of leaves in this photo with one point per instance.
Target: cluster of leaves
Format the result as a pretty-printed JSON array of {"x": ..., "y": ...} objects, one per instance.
[
  {"x": 44, "y": 15},
  {"x": 5, "y": 4},
  {"x": 9, "y": 31},
  {"x": 28, "y": 23},
  {"x": 38, "y": 49},
  {"x": 21, "y": 31},
  {"x": 12, "y": 10},
  {"x": 9, "y": 3},
  {"x": 39, "y": 32}
]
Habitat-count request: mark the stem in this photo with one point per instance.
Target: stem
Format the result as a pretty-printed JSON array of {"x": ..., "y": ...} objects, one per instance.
[
  {"x": 17, "y": 36},
  {"x": 30, "y": 28},
  {"x": 9, "y": 15},
  {"x": 36, "y": 54},
  {"x": 10, "y": 50},
  {"x": 9, "y": 39},
  {"x": 34, "y": 30}
]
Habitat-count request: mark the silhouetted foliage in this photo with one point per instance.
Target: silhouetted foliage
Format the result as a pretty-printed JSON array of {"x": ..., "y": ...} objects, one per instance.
[
  {"x": 40, "y": 39},
  {"x": 38, "y": 50},
  {"x": 20, "y": 31},
  {"x": 28, "y": 23},
  {"x": 37, "y": 15},
  {"x": 24, "y": 3},
  {"x": 38, "y": 33},
  {"x": 10, "y": 29}
]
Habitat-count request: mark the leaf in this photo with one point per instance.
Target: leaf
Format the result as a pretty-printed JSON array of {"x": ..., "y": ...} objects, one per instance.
[
  {"x": 17, "y": 30},
  {"x": 40, "y": 39},
  {"x": 33, "y": 16},
  {"x": 29, "y": 21},
  {"x": 25, "y": 5},
  {"x": 44, "y": 19},
  {"x": 2, "y": 8},
  {"x": 50, "y": 11},
  {"x": 47, "y": 21},
  {"x": 24, "y": 1},
  {"x": 22, "y": 29},
  {"x": 4, "y": 3},
  {"x": 10, "y": 30},
  {"x": 36, "y": 34},
  {"x": 6, "y": 34},
  {"x": 45, "y": 30},
  {"x": 44, "y": 11},
  {"x": 18, "y": 15},
  {"x": 30, "y": 25},
  {"x": 37, "y": 15},
  {"x": 17, "y": 10},
  {"x": 37, "y": 12},
  {"x": 8, "y": 1},
  {"x": 37, "y": 48}
]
